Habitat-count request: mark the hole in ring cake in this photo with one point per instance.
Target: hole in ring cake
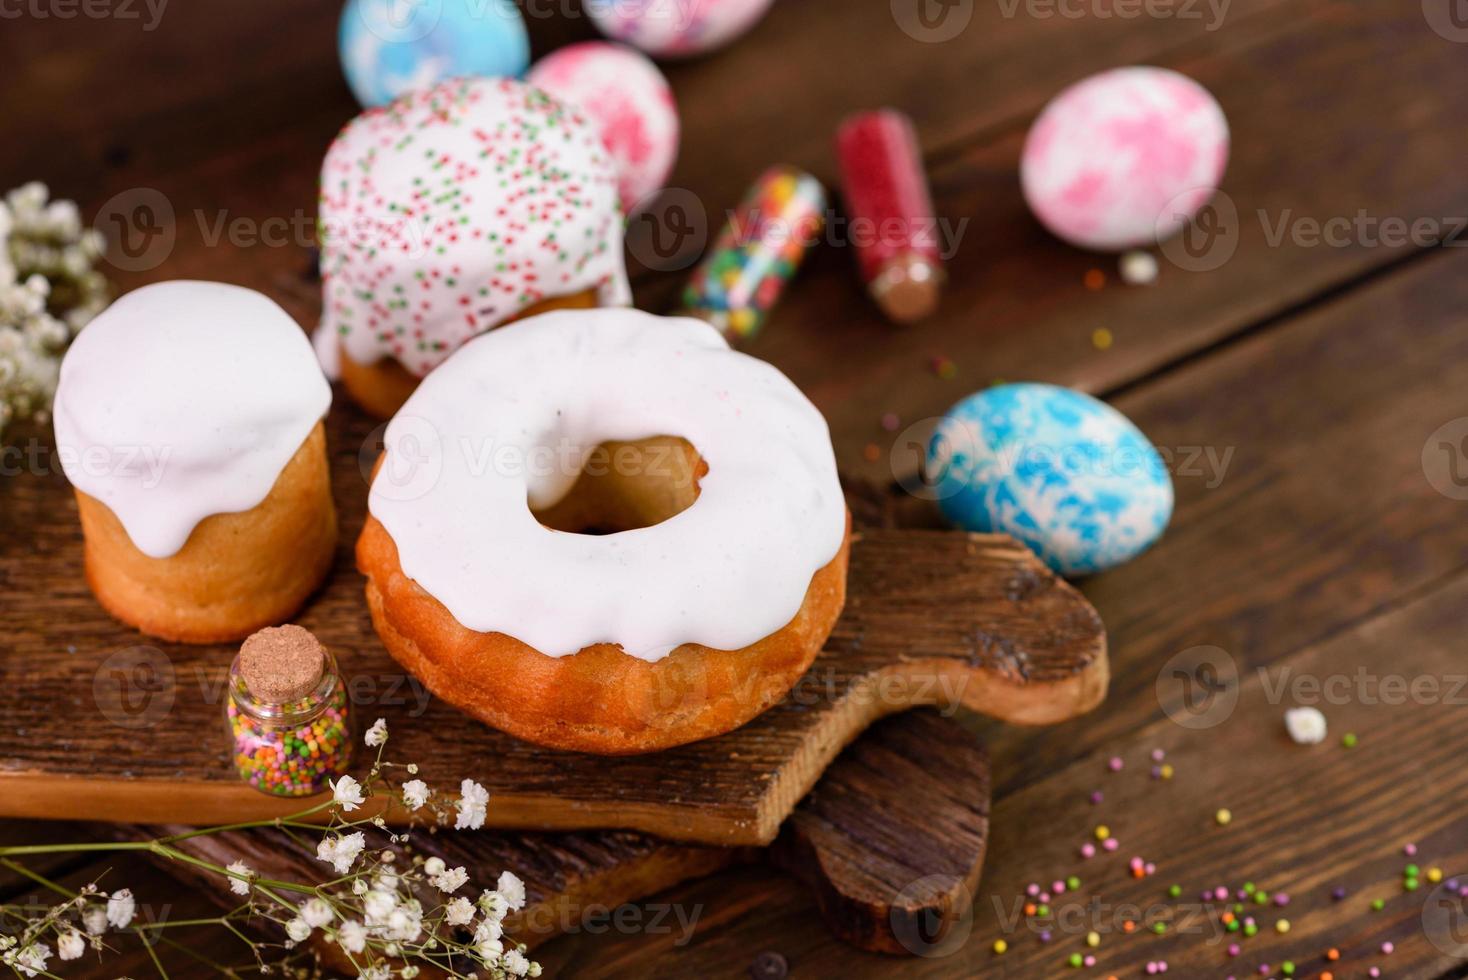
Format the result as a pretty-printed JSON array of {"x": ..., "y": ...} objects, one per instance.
[{"x": 720, "y": 571}]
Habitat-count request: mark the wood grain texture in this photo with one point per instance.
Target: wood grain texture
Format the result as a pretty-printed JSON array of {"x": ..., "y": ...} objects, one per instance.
[
  {"x": 932, "y": 618},
  {"x": 1314, "y": 142},
  {"x": 571, "y": 880},
  {"x": 1305, "y": 820},
  {"x": 892, "y": 838},
  {"x": 1323, "y": 515},
  {"x": 1323, "y": 524}
]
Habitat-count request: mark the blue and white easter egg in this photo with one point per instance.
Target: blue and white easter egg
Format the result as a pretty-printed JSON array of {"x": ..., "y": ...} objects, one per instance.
[
  {"x": 389, "y": 47},
  {"x": 1066, "y": 474}
]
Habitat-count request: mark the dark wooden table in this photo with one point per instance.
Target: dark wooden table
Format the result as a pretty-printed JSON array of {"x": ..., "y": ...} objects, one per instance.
[{"x": 1321, "y": 535}]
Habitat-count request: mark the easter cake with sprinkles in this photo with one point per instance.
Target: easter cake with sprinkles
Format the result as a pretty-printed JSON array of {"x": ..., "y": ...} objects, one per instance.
[{"x": 454, "y": 210}]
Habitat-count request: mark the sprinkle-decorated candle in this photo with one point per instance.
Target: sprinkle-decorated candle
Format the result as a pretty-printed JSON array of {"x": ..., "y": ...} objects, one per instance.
[
  {"x": 289, "y": 718},
  {"x": 758, "y": 252}
]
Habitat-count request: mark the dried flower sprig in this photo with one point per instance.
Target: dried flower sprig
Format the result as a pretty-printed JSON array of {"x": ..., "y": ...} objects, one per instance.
[
  {"x": 382, "y": 912},
  {"x": 49, "y": 289}
]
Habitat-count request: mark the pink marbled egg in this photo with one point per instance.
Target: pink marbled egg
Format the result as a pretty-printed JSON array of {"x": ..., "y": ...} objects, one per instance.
[
  {"x": 676, "y": 28},
  {"x": 1124, "y": 158},
  {"x": 628, "y": 99}
]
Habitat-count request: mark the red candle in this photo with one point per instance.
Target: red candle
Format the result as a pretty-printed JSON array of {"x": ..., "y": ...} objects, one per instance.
[{"x": 891, "y": 212}]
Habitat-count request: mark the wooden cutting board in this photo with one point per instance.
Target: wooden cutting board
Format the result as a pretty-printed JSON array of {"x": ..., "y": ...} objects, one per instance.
[
  {"x": 101, "y": 722},
  {"x": 891, "y": 840}
]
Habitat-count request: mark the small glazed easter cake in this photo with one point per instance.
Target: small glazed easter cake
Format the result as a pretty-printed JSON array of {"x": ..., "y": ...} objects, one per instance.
[
  {"x": 188, "y": 420},
  {"x": 606, "y": 531},
  {"x": 449, "y": 212}
]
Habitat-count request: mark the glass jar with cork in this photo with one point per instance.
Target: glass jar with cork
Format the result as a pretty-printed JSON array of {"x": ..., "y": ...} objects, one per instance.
[{"x": 288, "y": 713}]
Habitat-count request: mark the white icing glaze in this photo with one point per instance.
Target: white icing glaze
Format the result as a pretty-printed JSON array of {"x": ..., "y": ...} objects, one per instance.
[
  {"x": 455, "y": 208},
  {"x": 183, "y": 400},
  {"x": 467, "y": 461}
]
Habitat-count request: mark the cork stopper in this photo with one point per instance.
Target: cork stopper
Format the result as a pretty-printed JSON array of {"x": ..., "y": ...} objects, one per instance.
[
  {"x": 908, "y": 288},
  {"x": 282, "y": 664}
]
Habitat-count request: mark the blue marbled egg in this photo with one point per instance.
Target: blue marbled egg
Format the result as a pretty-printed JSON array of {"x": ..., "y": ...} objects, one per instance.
[
  {"x": 389, "y": 47},
  {"x": 1066, "y": 474}
]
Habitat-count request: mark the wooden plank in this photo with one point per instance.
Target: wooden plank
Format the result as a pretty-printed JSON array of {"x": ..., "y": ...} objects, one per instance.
[
  {"x": 570, "y": 879},
  {"x": 1320, "y": 114},
  {"x": 199, "y": 89},
  {"x": 931, "y": 617},
  {"x": 159, "y": 899},
  {"x": 237, "y": 160},
  {"x": 892, "y": 838},
  {"x": 883, "y": 795},
  {"x": 1323, "y": 521},
  {"x": 1305, "y": 821},
  {"x": 1323, "y": 516}
]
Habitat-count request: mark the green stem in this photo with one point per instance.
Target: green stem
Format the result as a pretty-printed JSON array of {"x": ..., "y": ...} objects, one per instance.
[
  {"x": 41, "y": 880},
  {"x": 153, "y": 954},
  {"x": 292, "y": 820}
]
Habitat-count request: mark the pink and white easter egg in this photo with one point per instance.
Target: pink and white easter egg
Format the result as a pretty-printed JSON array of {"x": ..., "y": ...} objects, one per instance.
[
  {"x": 1124, "y": 158},
  {"x": 628, "y": 100},
  {"x": 676, "y": 28}
]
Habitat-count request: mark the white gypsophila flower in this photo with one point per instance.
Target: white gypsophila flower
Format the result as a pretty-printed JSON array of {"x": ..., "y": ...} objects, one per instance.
[
  {"x": 406, "y": 922},
  {"x": 352, "y": 936},
  {"x": 44, "y": 253},
  {"x": 513, "y": 890},
  {"x": 450, "y": 881},
  {"x": 341, "y": 852},
  {"x": 30, "y": 960},
  {"x": 415, "y": 794},
  {"x": 240, "y": 883},
  {"x": 515, "y": 962},
  {"x": 489, "y": 951},
  {"x": 71, "y": 945},
  {"x": 359, "y": 887},
  {"x": 317, "y": 913},
  {"x": 488, "y": 930},
  {"x": 378, "y": 905},
  {"x": 494, "y": 905},
  {"x": 347, "y": 792},
  {"x": 472, "y": 805},
  {"x": 377, "y": 734},
  {"x": 94, "y": 920},
  {"x": 459, "y": 912},
  {"x": 377, "y": 971},
  {"x": 434, "y": 866},
  {"x": 298, "y": 929},
  {"x": 121, "y": 908}
]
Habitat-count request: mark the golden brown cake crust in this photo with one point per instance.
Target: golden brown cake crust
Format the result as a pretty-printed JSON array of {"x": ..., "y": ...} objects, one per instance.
[
  {"x": 600, "y": 699},
  {"x": 236, "y": 573},
  {"x": 381, "y": 388}
]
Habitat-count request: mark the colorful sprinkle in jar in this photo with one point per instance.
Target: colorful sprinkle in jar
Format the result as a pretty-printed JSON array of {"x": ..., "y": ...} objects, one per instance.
[
  {"x": 289, "y": 719},
  {"x": 756, "y": 255}
]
